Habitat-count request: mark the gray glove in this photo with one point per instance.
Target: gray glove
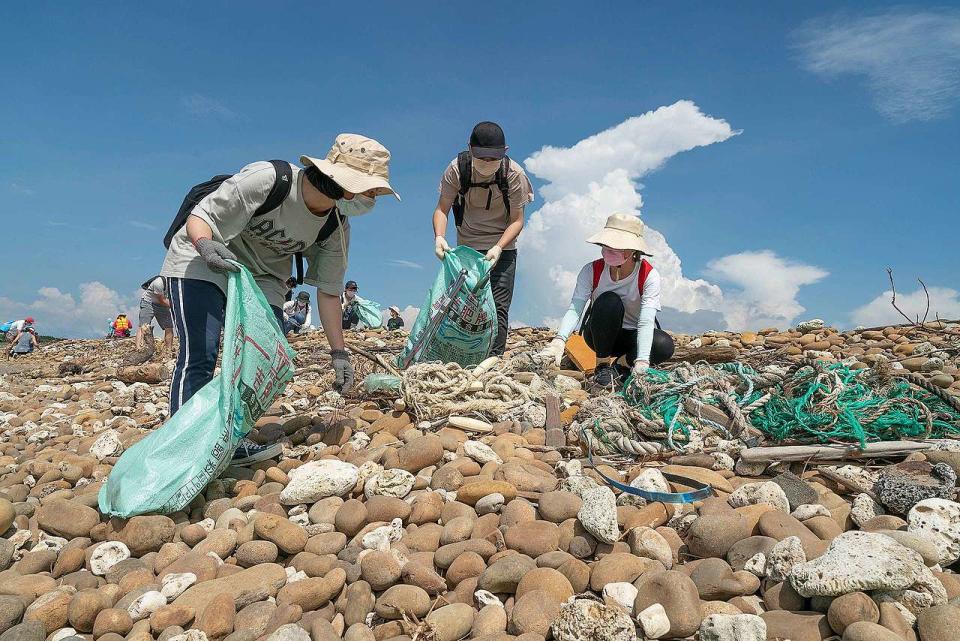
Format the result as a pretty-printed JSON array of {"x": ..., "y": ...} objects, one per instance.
[
  {"x": 343, "y": 371},
  {"x": 216, "y": 255}
]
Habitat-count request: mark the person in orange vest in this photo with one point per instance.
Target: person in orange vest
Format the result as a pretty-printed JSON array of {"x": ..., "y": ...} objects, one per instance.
[
  {"x": 122, "y": 326},
  {"x": 623, "y": 290}
]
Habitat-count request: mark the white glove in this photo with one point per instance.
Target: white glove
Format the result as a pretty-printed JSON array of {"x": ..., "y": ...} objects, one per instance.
[
  {"x": 440, "y": 247},
  {"x": 493, "y": 255},
  {"x": 554, "y": 351},
  {"x": 640, "y": 368}
]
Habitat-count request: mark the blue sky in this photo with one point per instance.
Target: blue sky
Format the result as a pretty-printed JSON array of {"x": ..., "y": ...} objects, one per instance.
[{"x": 845, "y": 161}]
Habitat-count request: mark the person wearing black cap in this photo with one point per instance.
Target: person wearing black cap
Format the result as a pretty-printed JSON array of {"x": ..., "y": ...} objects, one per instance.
[
  {"x": 487, "y": 192},
  {"x": 348, "y": 303}
]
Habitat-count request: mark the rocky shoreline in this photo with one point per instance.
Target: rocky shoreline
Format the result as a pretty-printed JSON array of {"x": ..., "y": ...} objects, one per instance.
[{"x": 379, "y": 523}]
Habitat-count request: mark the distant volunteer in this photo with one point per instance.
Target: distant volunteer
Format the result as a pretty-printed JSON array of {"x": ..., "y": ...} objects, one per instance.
[
  {"x": 17, "y": 326},
  {"x": 227, "y": 226},
  {"x": 395, "y": 321},
  {"x": 488, "y": 193},
  {"x": 24, "y": 342},
  {"x": 154, "y": 304},
  {"x": 121, "y": 326},
  {"x": 623, "y": 291},
  {"x": 350, "y": 317},
  {"x": 297, "y": 314}
]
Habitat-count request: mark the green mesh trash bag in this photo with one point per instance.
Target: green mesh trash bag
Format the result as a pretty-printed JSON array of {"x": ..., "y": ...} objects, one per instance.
[
  {"x": 369, "y": 313},
  {"x": 166, "y": 470},
  {"x": 465, "y": 333}
]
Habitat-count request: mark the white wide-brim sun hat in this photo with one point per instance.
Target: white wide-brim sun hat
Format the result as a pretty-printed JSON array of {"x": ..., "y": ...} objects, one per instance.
[
  {"x": 357, "y": 164},
  {"x": 622, "y": 231}
]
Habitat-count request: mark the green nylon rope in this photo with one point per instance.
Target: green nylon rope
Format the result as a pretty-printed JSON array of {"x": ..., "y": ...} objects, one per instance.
[{"x": 813, "y": 412}]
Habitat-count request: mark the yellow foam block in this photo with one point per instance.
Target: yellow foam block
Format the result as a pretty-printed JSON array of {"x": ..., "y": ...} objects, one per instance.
[{"x": 582, "y": 356}]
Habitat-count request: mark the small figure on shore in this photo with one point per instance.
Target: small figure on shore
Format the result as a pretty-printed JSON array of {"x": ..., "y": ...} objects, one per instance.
[{"x": 395, "y": 321}]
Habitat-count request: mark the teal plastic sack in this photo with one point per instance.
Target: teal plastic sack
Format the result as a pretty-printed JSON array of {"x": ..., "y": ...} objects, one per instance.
[
  {"x": 466, "y": 334},
  {"x": 166, "y": 470},
  {"x": 370, "y": 314}
]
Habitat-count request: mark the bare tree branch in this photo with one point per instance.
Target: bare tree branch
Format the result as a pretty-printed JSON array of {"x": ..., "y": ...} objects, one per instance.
[{"x": 893, "y": 299}]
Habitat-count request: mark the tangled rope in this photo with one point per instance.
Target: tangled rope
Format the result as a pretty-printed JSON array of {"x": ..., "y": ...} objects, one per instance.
[
  {"x": 615, "y": 427},
  {"x": 811, "y": 401},
  {"x": 439, "y": 389}
]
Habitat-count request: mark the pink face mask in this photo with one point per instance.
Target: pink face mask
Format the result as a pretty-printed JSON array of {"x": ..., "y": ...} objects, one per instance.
[{"x": 614, "y": 257}]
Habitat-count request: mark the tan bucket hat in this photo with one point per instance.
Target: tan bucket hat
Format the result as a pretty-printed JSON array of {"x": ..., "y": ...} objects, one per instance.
[
  {"x": 622, "y": 231},
  {"x": 356, "y": 163}
]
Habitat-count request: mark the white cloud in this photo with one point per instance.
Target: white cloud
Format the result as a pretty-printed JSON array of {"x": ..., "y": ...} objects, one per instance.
[
  {"x": 767, "y": 287},
  {"x": 201, "y": 105},
  {"x": 139, "y": 224},
  {"x": 596, "y": 177},
  {"x": 406, "y": 264},
  {"x": 944, "y": 302},
  {"x": 636, "y": 147},
  {"x": 911, "y": 59},
  {"x": 59, "y": 313}
]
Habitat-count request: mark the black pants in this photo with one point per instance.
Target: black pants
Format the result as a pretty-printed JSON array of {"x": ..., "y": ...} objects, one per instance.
[
  {"x": 350, "y": 317},
  {"x": 198, "y": 309},
  {"x": 604, "y": 333},
  {"x": 502, "y": 278}
]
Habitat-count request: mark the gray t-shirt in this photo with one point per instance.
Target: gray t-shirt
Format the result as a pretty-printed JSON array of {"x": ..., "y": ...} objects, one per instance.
[
  {"x": 154, "y": 291},
  {"x": 482, "y": 227},
  {"x": 265, "y": 244}
]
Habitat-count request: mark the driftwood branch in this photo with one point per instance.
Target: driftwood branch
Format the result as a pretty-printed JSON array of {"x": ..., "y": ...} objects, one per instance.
[
  {"x": 709, "y": 354},
  {"x": 893, "y": 299},
  {"x": 926, "y": 312}
]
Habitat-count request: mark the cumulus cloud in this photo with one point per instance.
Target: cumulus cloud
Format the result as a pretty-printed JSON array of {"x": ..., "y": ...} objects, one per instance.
[
  {"x": 910, "y": 59},
  {"x": 766, "y": 287},
  {"x": 944, "y": 302},
  {"x": 598, "y": 176},
  {"x": 60, "y": 313}
]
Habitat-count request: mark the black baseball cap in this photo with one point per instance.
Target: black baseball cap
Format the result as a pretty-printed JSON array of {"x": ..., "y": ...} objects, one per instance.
[
  {"x": 351, "y": 284},
  {"x": 487, "y": 140}
]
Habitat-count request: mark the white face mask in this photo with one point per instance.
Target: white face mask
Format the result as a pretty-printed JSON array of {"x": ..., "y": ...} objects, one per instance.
[
  {"x": 357, "y": 206},
  {"x": 485, "y": 167}
]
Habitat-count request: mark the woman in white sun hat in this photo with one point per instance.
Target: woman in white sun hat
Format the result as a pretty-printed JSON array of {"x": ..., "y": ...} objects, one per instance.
[
  {"x": 624, "y": 294},
  {"x": 311, "y": 221}
]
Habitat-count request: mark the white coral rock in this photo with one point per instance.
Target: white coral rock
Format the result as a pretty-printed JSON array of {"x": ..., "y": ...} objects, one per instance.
[{"x": 319, "y": 479}]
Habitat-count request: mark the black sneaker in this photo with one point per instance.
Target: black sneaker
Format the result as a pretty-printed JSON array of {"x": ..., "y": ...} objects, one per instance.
[
  {"x": 249, "y": 452},
  {"x": 605, "y": 376}
]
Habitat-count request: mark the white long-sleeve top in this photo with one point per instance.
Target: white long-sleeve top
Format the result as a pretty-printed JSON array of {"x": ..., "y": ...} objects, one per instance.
[
  {"x": 639, "y": 310},
  {"x": 295, "y": 306}
]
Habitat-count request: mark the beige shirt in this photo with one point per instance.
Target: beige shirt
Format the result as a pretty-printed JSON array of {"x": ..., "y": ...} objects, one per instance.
[
  {"x": 482, "y": 228},
  {"x": 266, "y": 244}
]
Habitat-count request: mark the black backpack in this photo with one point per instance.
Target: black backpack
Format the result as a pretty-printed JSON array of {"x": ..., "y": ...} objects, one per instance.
[
  {"x": 465, "y": 167},
  {"x": 278, "y": 193}
]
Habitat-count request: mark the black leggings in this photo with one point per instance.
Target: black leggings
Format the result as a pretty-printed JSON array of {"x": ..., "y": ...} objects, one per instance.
[{"x": 603, "y": 331}]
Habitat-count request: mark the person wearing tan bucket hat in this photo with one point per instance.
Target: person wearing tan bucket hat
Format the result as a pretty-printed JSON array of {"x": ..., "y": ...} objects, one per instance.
[
  {"x": 487, "y": 192},
  {"x": 264, "y": 217},
  {"x": 623, "y": 290}
]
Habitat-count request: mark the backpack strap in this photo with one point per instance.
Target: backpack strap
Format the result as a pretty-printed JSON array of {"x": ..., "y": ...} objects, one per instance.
[
  {"x": 501, "y": 179},
  {"x": 280, "y": 189},
  {"x": 465, "y": 170},
  {"x": 597, "y": 273},
  {"x": 147, "y": 282},
  {"x": 334, "y": 218},
  {"x": 645, "y": 269}
]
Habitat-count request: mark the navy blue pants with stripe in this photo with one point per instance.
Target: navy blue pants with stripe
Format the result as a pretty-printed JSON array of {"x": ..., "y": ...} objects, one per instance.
[{"x": 198, "y": 309}]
